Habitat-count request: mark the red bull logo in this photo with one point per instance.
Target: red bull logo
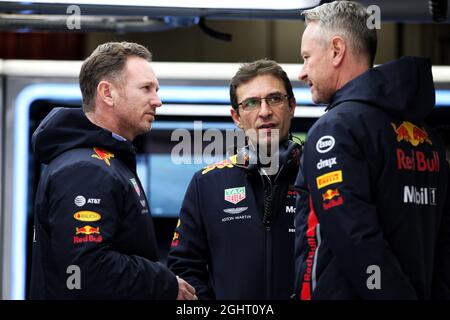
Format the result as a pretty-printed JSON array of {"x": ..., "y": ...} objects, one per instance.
[
  {"x": 102, "y": 155},
  {"x": 87, "y": 234},
  {"x": 333, "y": 203},
  {"x": 87, "y": 238},
  {"x": 87, "y": 230},
  {"x": 227, "y": 163},
  {"x": 411, "y": 133},
  {"x": 415, "y": 160},
  {"x": 331, "y": 198},
  {"x": 175, "y": 239},
  {"x": 330, "y": 194}
]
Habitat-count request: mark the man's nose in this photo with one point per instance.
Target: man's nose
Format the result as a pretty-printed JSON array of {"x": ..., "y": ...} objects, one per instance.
[
  {"x": 265, "y": 110},
  {"x": 156, "y": 101},
  {"x": 303, "y": 76}
]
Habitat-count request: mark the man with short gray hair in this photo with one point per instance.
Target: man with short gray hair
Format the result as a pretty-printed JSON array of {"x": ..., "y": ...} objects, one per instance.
[{"x": 372, "y": 218}]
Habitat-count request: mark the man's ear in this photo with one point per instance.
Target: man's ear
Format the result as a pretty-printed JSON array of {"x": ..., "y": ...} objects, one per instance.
[
  {"x": 292, "y": 104},
  {"x": 105, "y": 92},
  {"x": 236, "y": 118},
  {"x": 338, "y": 49}
]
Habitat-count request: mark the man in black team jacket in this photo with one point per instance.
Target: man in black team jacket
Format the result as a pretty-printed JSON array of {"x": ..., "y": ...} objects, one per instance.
[
  {"x": 94, "y": 236},
  {"x": 235, "y": 237},
  {"x": 371, "y": 217}
]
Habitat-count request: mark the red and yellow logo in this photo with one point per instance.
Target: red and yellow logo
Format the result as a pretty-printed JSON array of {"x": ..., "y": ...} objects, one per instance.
[
  {"x": 175, "y": 240},
  {"x": 87, "y": 216},
  {"x": 102, "y": 155},
  {"x": 227, "y": 163},
  {"x": 87, "y": 230},
  {"x": 330, "y": 194},
  {"x": 331, "y": 198},
  {"x": 411, "y": 133},
  {"x": 329, "y": 178}
]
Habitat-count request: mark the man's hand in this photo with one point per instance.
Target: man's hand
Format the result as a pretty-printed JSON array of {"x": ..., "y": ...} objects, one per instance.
[{"x": 185, "y": 290}]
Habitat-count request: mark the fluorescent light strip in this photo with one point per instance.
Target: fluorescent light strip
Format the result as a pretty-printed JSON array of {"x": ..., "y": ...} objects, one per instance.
[
  {"x": 205, "y": 4},
  {"x": 20, "y": 173},
  {"x": 214, "y": 94},
  {"x": 169, "y": 109},
  {"x": 220, "y": 94},
  {"x": 189, "y": 125},
  {"x": 442, "y": 98},
  {"x": 163, "y": 70},
  {"x": 224, "y": 111}
]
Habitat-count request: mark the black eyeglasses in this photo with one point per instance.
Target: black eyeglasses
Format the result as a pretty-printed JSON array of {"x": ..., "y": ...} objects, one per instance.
[{"x": 272, "y": 100}]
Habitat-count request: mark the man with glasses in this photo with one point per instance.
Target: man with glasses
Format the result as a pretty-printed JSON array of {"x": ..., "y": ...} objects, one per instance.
[{"x": 235, "y": 236}]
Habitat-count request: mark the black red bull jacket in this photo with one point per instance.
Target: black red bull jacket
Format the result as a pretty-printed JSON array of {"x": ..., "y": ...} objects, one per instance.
[
  {"x": 94, "y": 236},
  {"x": 235, "y": 237},
  {"x": 371, "y": 216}
]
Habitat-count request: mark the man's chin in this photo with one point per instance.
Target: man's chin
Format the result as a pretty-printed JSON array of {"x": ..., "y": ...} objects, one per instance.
[
  {"x": 148, "y": 127},
  {"x": 316, "y": 100},
  {"x": 268, "y": 142},
  {"x": 145, "y": 129},
  {"x": 320, "y": 100}
]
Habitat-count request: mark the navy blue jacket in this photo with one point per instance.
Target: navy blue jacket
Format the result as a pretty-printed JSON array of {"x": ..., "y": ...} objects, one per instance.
[
  {"x": 235, "y": 237},
  {"x": 91, "y": 216},
  {"x": 371, "y": 217}
]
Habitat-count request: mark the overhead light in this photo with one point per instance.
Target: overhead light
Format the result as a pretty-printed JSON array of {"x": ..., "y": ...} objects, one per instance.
[
  {"x": 206, "y": 4},
  {"x": 175, "y": 9}
]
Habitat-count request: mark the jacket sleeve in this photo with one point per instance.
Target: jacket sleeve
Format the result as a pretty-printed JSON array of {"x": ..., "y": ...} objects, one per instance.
[
  {"x": 89, "y": 243},
  {"x": 301, "y": 225},
  {"x": 338, "y": 175},
  {"x": 441, "y": 281},
  {"x": 189, "y": 253}
]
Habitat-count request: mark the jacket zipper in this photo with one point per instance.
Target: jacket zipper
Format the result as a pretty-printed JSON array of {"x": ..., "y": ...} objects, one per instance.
[
  {"x": 267, "y": 221},
  {"x": 269, "y": 277}
]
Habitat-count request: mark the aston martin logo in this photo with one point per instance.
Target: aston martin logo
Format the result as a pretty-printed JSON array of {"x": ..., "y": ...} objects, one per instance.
[{"x": 235, "y": 210}]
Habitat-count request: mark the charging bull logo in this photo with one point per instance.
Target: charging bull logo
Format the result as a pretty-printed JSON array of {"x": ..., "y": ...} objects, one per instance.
[
  {"x": 227, "y": 163},
  {"x": 175, "y": 240},
  {"x": 331, "y": 198},
  {"x": 87, "y": 234},
  {"x": 411, "y": 133},
  {"x": 87, "y": 230},
  {"x": 102, "y": 155},
  {"x": 330, "y": 194}
]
